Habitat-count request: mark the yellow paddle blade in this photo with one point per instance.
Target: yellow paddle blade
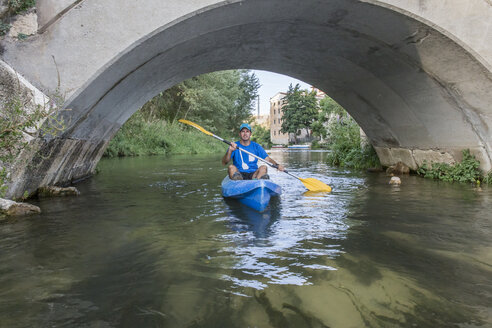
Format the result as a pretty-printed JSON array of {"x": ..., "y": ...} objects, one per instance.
[
  {"x": 196, "y": 126},
  {"x": 315, "y": 185}
]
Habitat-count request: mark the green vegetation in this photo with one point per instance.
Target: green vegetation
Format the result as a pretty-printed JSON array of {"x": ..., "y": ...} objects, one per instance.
[
  {"x": 16, "y": 122},
  {"x": 329, "y": 121},
  {"x": 300, "y": 110},
  {"x": 140, "y": 137},
  {"x": 19, "y": 6},
  {"x": 487, "y": 178},
  {"x": 15, "y": 7},
  {"x": 315, "y": 144},
  {"x": 4, "y": 28},
  {"x": 261, "y": 135},
  {"x": 218, "y": 101},
  {"x": 346, "y": 147},
  {"x": 329, "y": 109},
  {"x": 465, "y": 171}
]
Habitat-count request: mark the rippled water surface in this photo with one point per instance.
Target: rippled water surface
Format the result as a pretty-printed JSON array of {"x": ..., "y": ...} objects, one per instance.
[{"x": 151, "y": 243}]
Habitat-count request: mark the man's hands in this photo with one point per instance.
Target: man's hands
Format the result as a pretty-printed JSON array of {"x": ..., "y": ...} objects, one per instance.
[
  {"x": 278, "y": 166},
  {"x": 227, "y": 157},
  {"x": 232, "y": 147}
]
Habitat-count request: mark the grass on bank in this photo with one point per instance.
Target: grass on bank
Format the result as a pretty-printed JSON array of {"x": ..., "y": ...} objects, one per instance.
[
  {"x": 346, "y": 147},
  {"x": 468, "y": 170},
  {"x": 347, "y": 151},
  {"x": 138, "y": 137}
]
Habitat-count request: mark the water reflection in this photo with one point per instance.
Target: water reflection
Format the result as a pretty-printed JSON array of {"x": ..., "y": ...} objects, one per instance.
[
  {"x": 151, "y": 243},
  {"x": 243, "y": 219},
  {"x": 295, "y": 234}
]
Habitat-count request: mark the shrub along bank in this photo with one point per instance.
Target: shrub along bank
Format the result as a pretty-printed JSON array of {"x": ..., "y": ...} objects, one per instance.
[
  {"x": 465, "y": 171},
  {"x": 346, "y": 147},
  {"x": 139, "y": 137},
  {"x": 348, "y": 151}
]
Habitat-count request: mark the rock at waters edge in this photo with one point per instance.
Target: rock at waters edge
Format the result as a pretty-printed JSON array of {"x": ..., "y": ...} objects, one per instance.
[
  {"x": 399, "y": 168},
  {"x": 53, "y": 191},
  {"x": 11, "y": 208},
  {"x": 395, "y": 181}
]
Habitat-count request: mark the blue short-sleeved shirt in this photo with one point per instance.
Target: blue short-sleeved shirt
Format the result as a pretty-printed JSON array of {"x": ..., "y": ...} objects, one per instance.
[{"x": 251, "y": 163}]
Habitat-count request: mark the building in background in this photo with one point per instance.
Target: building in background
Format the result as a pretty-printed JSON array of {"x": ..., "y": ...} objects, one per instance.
[
  {"x": 262, "y": 120},
  {"x": 276, "y": 104},
  {"x": 276, "y": 114},
  {"x": 319, "y": 94}
]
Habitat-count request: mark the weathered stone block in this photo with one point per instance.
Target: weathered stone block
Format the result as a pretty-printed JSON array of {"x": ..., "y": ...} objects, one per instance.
[
  {"x": 11, "y": 208},
  {"x": 391, "y": 156},
  {"x": 384, "y": 155},
  {"x": 404, "y": 156},
  {"x": 432, "y": 156},
  {"x": 53, "y": 191}
]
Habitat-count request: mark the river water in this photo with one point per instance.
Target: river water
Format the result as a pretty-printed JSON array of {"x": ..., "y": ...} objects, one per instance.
[{"x": 151, "y": 243}]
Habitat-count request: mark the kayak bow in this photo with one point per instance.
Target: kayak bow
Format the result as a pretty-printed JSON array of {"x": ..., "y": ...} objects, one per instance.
[{"x": 253, "y": 193}]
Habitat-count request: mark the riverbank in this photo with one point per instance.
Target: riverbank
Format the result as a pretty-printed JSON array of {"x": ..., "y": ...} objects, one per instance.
[{"x": 139, "y": 137}]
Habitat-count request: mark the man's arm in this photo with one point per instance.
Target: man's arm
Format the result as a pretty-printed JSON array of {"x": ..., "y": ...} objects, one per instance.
[
  {"x": 280, "y": 167},
  {"x": 227, "y": 157}
]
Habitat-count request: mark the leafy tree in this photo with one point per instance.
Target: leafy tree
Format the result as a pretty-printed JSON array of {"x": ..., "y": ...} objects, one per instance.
[
  {"x": 261, "y": 135},
  {"x": 345, "y": 145},
  {"x": 220, "y": 101},
  {"x": 300, "y": 110},
  {"x": 329, "y": 106},
  {"x": 329, "y": 109}
]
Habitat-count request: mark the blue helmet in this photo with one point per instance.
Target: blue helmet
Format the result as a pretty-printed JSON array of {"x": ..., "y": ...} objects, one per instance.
[{"x": 245, "y": 125}]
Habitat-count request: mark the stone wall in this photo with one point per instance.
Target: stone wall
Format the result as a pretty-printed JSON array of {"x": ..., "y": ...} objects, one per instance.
[{"x": 14, "y": 88}]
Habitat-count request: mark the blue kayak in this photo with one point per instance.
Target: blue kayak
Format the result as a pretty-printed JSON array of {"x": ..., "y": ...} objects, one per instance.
[{"x": 253, "y": 193}]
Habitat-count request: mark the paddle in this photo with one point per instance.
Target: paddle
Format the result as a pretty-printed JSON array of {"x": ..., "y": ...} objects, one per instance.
[{"x": 310, "y": 183}]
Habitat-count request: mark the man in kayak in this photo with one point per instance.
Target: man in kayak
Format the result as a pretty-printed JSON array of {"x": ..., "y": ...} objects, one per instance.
[{"x": 244, "y": 166}]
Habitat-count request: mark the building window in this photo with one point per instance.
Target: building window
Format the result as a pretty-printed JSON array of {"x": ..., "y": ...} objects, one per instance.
[
  {"x": 274, "y": 133},
  {"x": 274, "y": 121},
  {"x": 274, "y": 112}
]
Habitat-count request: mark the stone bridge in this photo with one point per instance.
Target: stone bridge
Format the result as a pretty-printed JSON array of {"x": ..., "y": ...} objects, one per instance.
[{"x": 416, "y": 75}]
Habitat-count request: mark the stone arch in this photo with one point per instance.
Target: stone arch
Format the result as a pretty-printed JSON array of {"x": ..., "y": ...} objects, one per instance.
[{"x": 416, "y": 93}]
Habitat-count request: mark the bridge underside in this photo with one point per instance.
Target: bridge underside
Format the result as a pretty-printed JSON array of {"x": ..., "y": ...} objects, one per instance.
[{"x": 416, "y": 93}]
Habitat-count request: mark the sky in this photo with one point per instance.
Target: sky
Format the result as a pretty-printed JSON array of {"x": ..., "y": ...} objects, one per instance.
[{"x": 271, "y": 83}]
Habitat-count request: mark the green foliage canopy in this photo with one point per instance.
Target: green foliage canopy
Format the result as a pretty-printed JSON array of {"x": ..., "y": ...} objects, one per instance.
[
  {"x": 328, "y": 108},
  {"x": 345, "y": 144},
  {"x": 261, "y": 135},
  {"x": 300, "y": 110},
  {"x": 219, "y": 101}
]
